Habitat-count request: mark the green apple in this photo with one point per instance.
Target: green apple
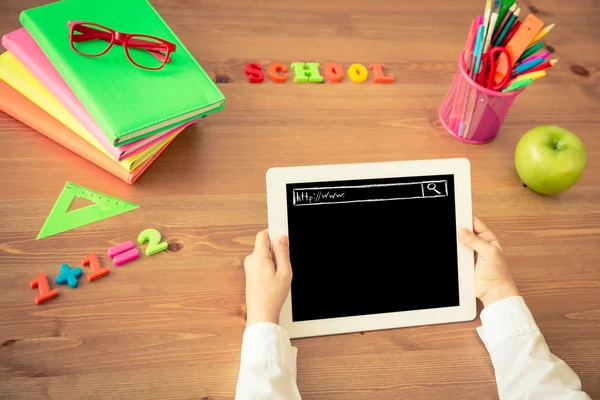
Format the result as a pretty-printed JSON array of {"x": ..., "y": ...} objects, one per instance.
[{"x": 550, "y": 159}]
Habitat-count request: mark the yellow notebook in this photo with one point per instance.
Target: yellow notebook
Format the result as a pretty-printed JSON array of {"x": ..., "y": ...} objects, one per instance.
[{"x": 17, "y": 76}]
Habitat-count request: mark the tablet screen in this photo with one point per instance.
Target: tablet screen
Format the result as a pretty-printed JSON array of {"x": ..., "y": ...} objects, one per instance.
[{"x": 361, "y": 247}]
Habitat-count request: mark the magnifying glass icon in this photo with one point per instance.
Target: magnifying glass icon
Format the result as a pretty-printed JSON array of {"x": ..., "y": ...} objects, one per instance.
[{"x": 431, "y": 186}]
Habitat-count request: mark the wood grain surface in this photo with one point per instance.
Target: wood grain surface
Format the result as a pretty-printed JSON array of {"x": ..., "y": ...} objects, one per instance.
[{"x": 170, "y": 326}]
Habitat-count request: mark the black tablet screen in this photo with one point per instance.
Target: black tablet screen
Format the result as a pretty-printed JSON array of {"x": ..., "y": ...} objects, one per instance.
[{"x": 372, "y": 246}]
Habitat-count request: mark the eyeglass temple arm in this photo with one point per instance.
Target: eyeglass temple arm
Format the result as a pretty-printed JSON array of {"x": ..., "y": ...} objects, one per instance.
[{"x": 85, "y": 31}]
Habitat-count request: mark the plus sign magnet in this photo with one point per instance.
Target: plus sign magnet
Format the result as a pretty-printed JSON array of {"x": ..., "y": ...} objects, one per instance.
[{"x": 68, "y": 275}]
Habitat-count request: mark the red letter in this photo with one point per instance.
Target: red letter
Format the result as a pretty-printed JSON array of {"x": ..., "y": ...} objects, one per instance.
[
  {"x": 96, "y": 271},
  {"x": 333, "y": 72},
  {"x": 378, "y": 76},
  {"x": 41, "y": 282},
  {"x": 278, "y": 72},
  {"x": 254, "y": 72}
]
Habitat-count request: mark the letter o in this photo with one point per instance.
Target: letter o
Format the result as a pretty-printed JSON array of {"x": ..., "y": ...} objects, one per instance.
[
  {"x": 333, "y": 72},
  {"x": 358, "y": 73}
]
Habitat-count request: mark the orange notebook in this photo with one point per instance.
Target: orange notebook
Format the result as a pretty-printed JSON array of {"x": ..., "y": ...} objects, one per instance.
[{"x": 19, "y": 107}]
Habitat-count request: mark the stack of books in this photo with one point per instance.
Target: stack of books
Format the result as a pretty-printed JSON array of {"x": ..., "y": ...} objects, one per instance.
[{"x": 107, "y": 79}]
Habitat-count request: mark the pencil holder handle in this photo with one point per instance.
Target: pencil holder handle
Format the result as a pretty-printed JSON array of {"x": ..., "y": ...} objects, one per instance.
[{"x": 472, "y": 113}]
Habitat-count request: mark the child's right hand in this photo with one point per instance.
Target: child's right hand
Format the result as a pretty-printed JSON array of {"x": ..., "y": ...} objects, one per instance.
[{"x": 493, "y": 282}]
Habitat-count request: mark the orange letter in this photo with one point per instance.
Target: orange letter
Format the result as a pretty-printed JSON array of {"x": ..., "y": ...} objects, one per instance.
[
  {"x": 278, "y": 72},
  {"x": 378, "y": 76},
  {"x": 333, "y": 72},
  {"x": 96, "y": 271},
  {"x": 41, "y": 282}
]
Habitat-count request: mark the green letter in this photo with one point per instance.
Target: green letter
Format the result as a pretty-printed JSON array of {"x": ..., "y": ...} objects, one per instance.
[{"x": 308, "y": 73}]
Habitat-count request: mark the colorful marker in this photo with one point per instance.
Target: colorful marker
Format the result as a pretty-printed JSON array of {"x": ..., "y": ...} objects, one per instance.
[
  {"x": 477, "y": 51},
  {"x": 472, "y": 60},
  {"x": 542, "y": 55},
  {"x": 518, "y": 85},
  {"x": 519, "y": 69},
  {"x": 533, "y": 75}
]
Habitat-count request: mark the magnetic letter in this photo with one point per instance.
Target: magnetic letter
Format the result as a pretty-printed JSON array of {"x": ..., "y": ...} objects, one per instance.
[
  {"x": 333, "y": 72},
  {"x": 41, "y": 282},
  {"x": 68, "y": 275},
  {"x": 124, "y": 258},
  {"x": 152, "y": 236},
  {"x": 123, "y": 253},
  {"x": 310, "y": 73},
  {"x": 120, "y": 248},
  {"x": 96, "y": 271},
  {"x": 278, "y": 72},
  {"x": 358, "y": 73},
  {"x": 378, "y": 76},
  {"x": 254, "y": 72}
]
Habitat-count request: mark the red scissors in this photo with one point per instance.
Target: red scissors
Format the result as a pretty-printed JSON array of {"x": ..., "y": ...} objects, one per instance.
[{"x": 488, "y": 69}]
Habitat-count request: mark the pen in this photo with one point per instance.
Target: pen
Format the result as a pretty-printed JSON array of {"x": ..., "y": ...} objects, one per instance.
[
  {"x": 472, "y": 61},
  {"x": 477, "y": 51},
  {"x": 469, "y": 43}
]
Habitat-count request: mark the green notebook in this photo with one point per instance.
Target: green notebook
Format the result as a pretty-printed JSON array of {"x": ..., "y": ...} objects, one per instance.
[{"x": 126, "y": 101}]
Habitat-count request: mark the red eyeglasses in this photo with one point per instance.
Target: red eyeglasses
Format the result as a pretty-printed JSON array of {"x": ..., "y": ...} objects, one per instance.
[{"x": 93, "y": 40}]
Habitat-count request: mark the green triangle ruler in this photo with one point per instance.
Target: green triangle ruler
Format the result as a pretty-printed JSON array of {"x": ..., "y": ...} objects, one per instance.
[{"x": 60, "y": 220}]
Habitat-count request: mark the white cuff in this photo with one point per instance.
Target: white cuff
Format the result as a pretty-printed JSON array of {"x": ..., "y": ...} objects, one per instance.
[
  {"x": 505, "y": 319},
  {"x": 265, "y": 341}
]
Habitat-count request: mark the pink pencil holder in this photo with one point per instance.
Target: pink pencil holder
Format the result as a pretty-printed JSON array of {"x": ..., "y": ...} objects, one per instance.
[{"x": 472, "y": 113}]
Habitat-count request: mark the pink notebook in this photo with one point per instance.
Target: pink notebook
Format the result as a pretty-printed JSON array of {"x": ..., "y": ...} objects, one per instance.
[{"x": 26, "y": 50}]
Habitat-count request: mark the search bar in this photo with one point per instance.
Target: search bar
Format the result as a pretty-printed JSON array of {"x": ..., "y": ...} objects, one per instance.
[{"x": 369, "y": 193}]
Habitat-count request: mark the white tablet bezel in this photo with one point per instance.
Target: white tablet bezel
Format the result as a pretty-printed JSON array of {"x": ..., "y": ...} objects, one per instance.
[{"x": 278, "y": 178}]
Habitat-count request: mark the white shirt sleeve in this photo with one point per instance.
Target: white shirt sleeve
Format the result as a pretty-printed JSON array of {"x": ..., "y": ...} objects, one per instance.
[
  {"x": 524, "y": 366},
  {"x": 268, "y": 364}
]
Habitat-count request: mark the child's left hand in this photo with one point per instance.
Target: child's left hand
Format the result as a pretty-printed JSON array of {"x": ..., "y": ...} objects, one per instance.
[{"x": 268, "y": 278}]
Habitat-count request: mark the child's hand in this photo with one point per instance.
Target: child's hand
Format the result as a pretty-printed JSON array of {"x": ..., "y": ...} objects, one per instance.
[
  {"x": 493, "y": 282},
  {"x": 267, "y": 282}
]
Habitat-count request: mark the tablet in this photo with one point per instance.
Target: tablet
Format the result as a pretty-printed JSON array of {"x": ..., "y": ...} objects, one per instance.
[{"x": 374, "y": 246}]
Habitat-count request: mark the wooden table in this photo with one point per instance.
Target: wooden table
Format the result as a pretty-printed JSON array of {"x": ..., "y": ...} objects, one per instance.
[{"x": 170, "y": 326}]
